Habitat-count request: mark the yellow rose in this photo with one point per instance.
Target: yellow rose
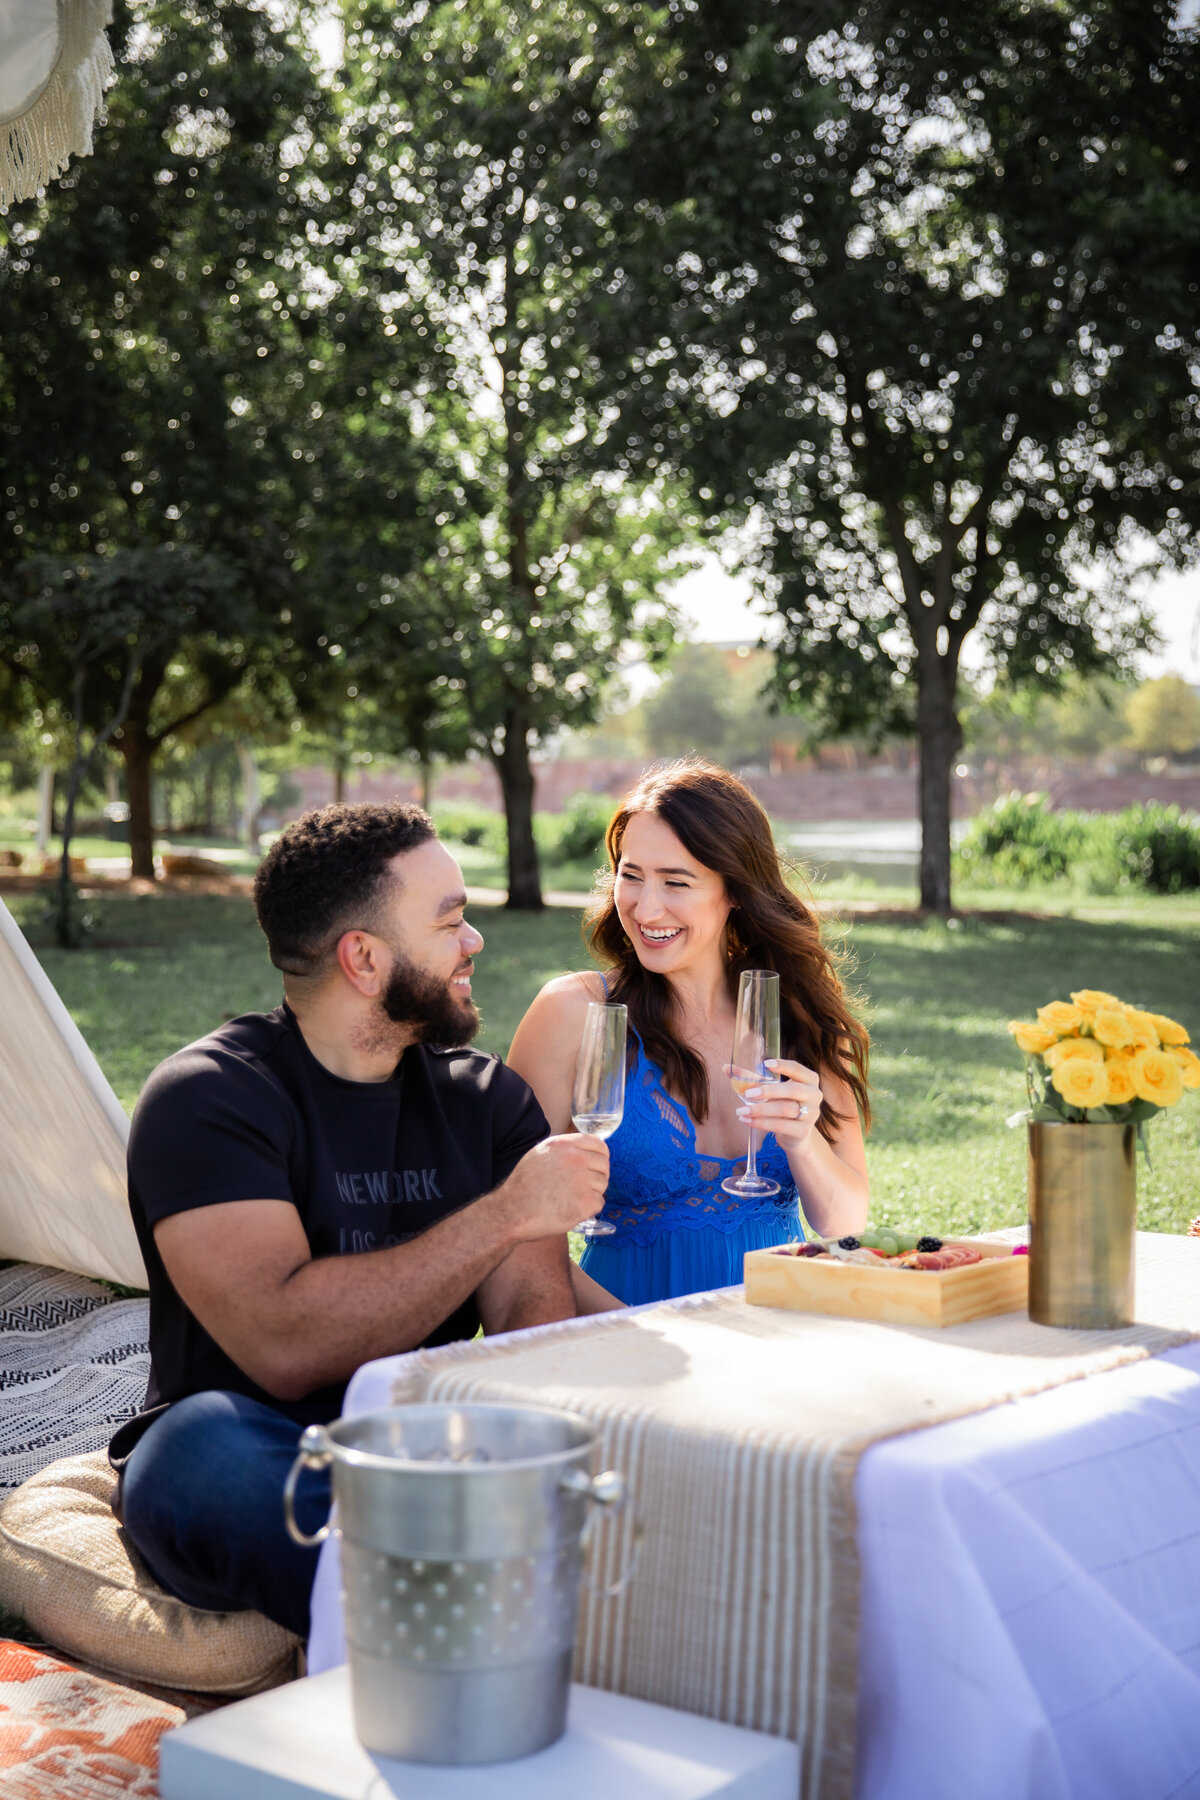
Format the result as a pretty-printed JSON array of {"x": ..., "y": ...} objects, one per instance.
[
  {"x": 1111, "y": 1025},
  {"x": 1081, "y": 1082},
  {"x": 1169, "y": 1032},
  {"x": 1120, "y": 1082},
  {"x": 1087, "y": 1048},
  {"x": 1091, "y": 999},
  {"x": 1143, "y": 1027},
  {"x": 1060, "y": 1016},
  {"x": 1157, "y": 1077},
  {"x": 1189, "y": 1062},
  {"x": 1031, "y": 1037}
]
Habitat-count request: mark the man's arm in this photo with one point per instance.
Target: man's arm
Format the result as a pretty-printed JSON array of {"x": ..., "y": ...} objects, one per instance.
[
  {"x": 532, "y": 1286},
  {"x": 293, "y": 1323}
]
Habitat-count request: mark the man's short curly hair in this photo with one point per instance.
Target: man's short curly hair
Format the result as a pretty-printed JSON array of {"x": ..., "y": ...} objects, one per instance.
[{"x": 328, "y": 873}]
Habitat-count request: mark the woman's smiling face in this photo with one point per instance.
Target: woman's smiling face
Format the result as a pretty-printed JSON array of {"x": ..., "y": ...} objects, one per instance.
[{"x": 672, "y": 908}]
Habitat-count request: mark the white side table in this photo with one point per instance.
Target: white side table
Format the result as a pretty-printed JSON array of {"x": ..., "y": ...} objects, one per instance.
[{"x": 297, "y": 1743}]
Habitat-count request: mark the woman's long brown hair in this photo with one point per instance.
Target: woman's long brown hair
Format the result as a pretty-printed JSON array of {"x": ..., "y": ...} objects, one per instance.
[{"x": 718, "y": 821}]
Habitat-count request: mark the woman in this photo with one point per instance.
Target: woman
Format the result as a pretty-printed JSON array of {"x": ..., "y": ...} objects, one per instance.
[{"x": 696, "y": 895}]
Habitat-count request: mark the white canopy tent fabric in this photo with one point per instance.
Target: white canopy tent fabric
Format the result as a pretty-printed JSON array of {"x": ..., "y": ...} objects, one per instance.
[
  {"x": 62, "y": 1133},
  {"x": 55, "y": 63}
]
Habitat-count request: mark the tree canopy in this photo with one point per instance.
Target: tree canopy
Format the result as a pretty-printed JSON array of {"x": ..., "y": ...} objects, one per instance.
[
  {"x": 1164, "y": 717},
  {"x": 469, "y": 125},
  {"x": 915, "y": 294},
  {"x": 173, "y": 323}
]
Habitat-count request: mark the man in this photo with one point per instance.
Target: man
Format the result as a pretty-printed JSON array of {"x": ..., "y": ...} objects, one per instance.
[{"x": 324, "y": 1184}]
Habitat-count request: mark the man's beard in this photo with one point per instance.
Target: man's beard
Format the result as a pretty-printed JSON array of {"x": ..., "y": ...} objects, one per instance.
[{"x": 427, "y": 1006}]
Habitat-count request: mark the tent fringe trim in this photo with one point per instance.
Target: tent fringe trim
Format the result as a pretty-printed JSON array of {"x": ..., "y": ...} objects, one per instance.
[{"x": 39, "y": 142}]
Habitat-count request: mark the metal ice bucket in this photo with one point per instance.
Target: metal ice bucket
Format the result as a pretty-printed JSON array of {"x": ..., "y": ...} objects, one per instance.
[{"x": 461, "y": 1532}]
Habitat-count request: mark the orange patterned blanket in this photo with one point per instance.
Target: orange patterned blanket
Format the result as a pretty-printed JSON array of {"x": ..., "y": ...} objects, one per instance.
[{"x": 67, "y": 1735}]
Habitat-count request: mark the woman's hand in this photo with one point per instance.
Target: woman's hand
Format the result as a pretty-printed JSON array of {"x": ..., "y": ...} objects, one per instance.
[
  {"x": 788, "y": 1107},
  {"x": 831, "y": 1178}
]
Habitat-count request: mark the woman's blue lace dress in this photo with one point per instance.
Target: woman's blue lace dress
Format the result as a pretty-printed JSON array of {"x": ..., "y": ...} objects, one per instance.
[{"x": 677, "y": 1232}]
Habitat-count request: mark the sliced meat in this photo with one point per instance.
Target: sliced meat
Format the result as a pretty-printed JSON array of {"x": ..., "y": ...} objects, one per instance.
[{"x": 951, "y": 1256}]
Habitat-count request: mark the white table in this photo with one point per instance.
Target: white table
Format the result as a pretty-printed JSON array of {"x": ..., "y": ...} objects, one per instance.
[
  {"x": 298, "y": 1743},
  {"x": 1031, "y": 1597},
  {"x": 1030, "y": 1625}
]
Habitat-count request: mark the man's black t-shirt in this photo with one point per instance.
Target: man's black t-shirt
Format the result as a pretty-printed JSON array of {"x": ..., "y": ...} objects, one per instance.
[{"x": 248, "y": 1113}]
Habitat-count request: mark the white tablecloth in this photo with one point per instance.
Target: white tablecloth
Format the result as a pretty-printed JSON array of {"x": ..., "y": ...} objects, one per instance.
[
  {"x": 1030, "y": 1625},
  {"x": 1031, "y": 1597}
]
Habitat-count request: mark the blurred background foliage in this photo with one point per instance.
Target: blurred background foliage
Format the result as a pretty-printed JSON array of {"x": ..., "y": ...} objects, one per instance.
[{"x": 391, "y": 386}]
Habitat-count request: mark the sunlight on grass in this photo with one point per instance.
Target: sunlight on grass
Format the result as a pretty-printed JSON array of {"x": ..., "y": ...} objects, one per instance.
[{"x": 164, "y": 969}]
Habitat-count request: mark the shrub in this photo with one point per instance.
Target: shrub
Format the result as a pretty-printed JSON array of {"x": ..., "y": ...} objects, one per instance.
[
  {"x": 1018, "y": 841},
  {"x": 471, "y": 824},
  {"x": 576, "y": 834},
  {"x": 1156, "y": 847}
]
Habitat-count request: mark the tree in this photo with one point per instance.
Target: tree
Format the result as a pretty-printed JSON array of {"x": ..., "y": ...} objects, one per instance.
[
  {"x": 690, "y": 711},
  {"x": 168, "y": 316},
  {"x": 1164, "y": 717},
  {"x": 376, "y": 697},
  {"x": 719, "y": 705},
  {"x": 81, "y": 634},
  {"x": 546, "y": 559},
  {"x": 1013, "y": 725},
  {"x": 916, "y": 294}
]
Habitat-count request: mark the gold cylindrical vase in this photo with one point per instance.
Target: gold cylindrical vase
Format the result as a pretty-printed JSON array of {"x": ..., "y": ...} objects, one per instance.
[{"x": 1082, "y": 1215}]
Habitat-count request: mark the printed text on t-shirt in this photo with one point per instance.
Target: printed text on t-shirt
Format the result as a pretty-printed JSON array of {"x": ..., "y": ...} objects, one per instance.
[{"x": 381, "y": 1187}]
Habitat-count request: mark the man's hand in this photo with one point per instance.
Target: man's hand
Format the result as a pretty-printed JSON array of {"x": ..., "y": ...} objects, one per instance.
[{"x": 555, "y": 1185}]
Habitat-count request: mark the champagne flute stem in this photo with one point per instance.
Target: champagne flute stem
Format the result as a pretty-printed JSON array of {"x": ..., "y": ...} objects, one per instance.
[{"x": 751, "y": 1162}]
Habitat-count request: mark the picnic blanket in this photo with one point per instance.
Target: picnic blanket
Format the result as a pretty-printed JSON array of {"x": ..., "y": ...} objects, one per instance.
[
  {"x": 67, "y": 1734},
  {"x": 74, "y": 1362},
  {"x": 740, "y": 1430}
]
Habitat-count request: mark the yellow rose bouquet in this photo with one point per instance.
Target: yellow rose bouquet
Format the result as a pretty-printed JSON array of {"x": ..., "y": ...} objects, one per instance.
[{"x": 1096, "y": 1060}]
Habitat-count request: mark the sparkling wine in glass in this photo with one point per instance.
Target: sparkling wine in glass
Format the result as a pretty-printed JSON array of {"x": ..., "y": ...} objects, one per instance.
[
  {"x": 755, "y": 1042},
  {"x": 598, "y": 1102}
]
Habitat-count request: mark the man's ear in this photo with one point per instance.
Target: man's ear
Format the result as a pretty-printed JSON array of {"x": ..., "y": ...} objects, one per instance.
[{"x": 360, "y": 958}]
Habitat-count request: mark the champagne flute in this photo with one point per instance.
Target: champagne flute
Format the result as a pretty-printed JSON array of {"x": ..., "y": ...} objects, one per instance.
[
  {"x": 598, "y": 1101},
  {"x": 755, "y": 1042}
]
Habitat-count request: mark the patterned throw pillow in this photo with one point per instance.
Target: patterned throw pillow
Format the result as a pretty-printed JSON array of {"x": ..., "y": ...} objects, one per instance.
[{"x": 66, "y": 1733}]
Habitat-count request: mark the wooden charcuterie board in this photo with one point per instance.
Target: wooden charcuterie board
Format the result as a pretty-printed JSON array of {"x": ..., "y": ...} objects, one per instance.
[{"x": 998, "y": 1284}]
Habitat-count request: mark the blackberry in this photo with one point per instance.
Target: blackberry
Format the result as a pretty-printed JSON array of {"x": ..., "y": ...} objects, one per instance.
[
  {"x": 852, "y": 1243},
  {"x": 929, "y": 1243}
]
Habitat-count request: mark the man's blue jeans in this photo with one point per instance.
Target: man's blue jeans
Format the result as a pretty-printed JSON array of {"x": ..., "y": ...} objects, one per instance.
[{"x": 202, "y": 1498}]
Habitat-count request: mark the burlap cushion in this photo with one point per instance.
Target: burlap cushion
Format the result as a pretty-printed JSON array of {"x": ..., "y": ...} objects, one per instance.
[{"x": 70, "y": 1571}]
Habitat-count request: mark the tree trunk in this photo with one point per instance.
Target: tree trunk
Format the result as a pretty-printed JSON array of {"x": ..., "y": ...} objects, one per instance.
[
  {"x": 426, "y": 779},
  {"x": 137, "y": 749},
  {"x": 516, "y": 784},
  {"x": 339, "y": 780},
  {"x": 68, "y": 930},
  {"x": 940, "y": 736},
  {"x": 251, "y": 796},
  {"x": 45, "y": 814}
]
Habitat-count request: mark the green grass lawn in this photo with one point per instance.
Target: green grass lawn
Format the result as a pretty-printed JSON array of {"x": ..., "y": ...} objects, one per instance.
[{"x": 163, "y": 969}]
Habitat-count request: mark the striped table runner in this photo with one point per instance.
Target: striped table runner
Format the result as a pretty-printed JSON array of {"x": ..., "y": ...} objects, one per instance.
[{"x": 740, "y": 1429}]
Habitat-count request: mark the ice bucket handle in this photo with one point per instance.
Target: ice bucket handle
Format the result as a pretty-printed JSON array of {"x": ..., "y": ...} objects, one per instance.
[
  {"x": 607, "y": 1492},
  {"x": 315, "y": 1453}
]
